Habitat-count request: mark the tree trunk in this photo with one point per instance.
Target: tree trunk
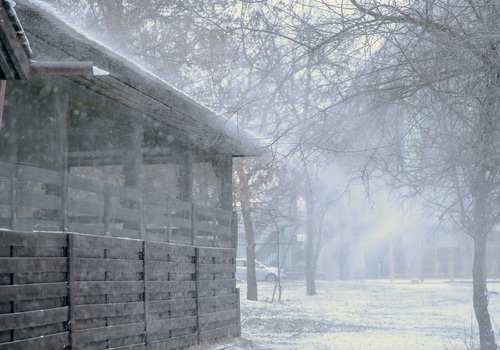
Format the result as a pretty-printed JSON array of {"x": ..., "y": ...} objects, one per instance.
[
  {"x": 310, "y": 265},
  {"x": 480, "y": 295},
  {"x": 246, "y": 213},
  {"x": 249, "y": 235}
]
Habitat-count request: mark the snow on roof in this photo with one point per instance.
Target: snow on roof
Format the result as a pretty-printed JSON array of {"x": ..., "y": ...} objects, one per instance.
[
  {"x": 9, "y": 7},
  {"x": 54, "y": 38}
]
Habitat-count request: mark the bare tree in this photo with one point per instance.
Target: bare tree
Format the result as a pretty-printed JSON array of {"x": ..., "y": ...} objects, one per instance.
[
  {"x": 417, "y": 83},
  {"x": 412, "y": 84},
  {"x": 432, "y": 93}
]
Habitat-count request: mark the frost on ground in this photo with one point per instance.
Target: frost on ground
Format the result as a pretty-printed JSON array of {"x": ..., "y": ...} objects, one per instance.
[{"x": 362, "y": 315}]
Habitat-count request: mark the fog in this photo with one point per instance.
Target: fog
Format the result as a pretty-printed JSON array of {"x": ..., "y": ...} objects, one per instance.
[{"x": 368, "y": 131}]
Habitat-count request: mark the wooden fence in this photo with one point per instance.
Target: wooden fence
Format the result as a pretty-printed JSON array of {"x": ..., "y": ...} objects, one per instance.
[
  {"x": 61, "y": 290},
  {"x": 35, "y": 199}
]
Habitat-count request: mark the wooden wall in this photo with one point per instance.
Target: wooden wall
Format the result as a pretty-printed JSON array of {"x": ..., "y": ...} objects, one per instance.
[
  {"x": 94, "y": 292},
  {"x": 37, "y": 199}
]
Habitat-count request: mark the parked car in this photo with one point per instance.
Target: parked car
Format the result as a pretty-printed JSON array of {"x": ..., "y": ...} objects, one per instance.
[{"x": 262, "y": 272}]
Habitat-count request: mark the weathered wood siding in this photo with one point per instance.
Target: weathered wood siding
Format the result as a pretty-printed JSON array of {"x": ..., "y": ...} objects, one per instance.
[
  {"x": 32, "y": 198},
  {"x": 33, "y": 291},
  {"x": 95, "y": 292}
]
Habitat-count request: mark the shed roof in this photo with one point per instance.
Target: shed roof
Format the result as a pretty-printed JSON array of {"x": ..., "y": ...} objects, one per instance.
[{"x": 52, "y": 39}]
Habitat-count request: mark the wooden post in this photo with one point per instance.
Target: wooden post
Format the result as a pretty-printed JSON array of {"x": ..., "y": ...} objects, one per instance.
[
  {"x": 14, "y": 196},
  {"x": 64, "y": 198},
  {"x": 134, "y": 174},
  {"x": 70, "y": 296},
  {"x": 234, "y": 229},
  {"x": 142, "y": 221},
  {"x": 145, "y": 277},
  {"x": 194, "y": 226},
  {"x": 3, "y": 86},
  {"x": 198, "y": 287},
  {"x": 107, "y": 208},
  {"x": 185, "y": 179},
  {"x": 61, "y": 103},
  {"x": 215, "y": 228},
  {"x": 238, "y": 313}
]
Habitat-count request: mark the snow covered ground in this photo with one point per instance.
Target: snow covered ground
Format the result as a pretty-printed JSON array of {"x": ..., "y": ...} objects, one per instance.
[{"x": 379, "y": 315}]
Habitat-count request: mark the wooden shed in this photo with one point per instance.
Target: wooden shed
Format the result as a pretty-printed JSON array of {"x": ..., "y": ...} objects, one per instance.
[{"x": 116, "y": 221}]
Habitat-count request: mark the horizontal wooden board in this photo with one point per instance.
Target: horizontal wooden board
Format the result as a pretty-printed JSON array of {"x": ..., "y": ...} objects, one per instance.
[
  {"x": 92, "y": 242},
  {"x": 157, "y": 200},
  {"x": 81, "y": 206},
  {"x": 109, "y": 332},
  {"x": 178, "y": 222},
  {"x": 125, "y": 233},
  {"x": 107, "y": 310},
  {"x": 217, "y": 284},
  {"x": 39, "y": 200},
  {"x": 204, "y": 211},
  {"x": 170, "y": 286},
  {"x": 157, "y": 219},
  {"x": 38, "y": 239},
  {"x": 85, "y": 184},
  {"x": 33, "y": 318},
  {"x": 156, "y": 306},
  {"x": 129, "y": 193},
  {"x": 217, "y": 268},
  {"x": 153, "y": 236},
  {"x": 51, "y": 341},
  {"x": 5, "y": 196},
  {"x": 159, "y": 251},
  {"x": 107, "y": 287},
  {"x": 102, "y": 265},
  {"x": 91, "y": 229},
  {"x": 6, "y": 168},
  {"x": 33, "y": 291},
  {"x": 166, "y": 325},
  {"x": 205, "y": 226},
  {"x": 214, "y": 301},
  {"x": 127, "y": 214},
  {"x": 217, "y": 252},
  {"x": 22, "y": 265},
  {"x": 27, "y": 172},
  {"x": 166, "y": 266}
]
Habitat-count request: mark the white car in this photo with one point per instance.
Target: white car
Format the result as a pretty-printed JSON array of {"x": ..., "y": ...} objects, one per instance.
[{"x": 262, "y": 272}]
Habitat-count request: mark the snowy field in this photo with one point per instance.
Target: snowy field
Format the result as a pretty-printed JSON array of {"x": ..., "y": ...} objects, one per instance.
[{"x": 380, "y": 315}]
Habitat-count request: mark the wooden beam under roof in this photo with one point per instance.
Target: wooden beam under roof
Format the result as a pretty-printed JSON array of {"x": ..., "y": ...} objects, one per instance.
[{"x": 15, "y": 63}]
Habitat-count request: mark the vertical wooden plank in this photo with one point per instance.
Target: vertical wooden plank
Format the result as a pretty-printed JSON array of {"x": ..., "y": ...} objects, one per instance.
[
  {"x": 142, "y": 227},
  {"x": 71, "y": 280},
  {"x": 14, "y": 196},
  {"x": 64, "y": 197},
  {"x": 238, "y": 313},
  {"x": 146, "y": 298},
  {"x": 61, "y": 110},
  {"x": 198, "y": 286},
  {"x": 194, "y": 220},
  {"x": 214, "y": 240},
  {"x": 12, "y": 302},
  {"x": 107, "y": 208},
  {"x": 3, "y": 85},
  {"x": 234, "y": 230},
  {"x": 169, "y": 217}
]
